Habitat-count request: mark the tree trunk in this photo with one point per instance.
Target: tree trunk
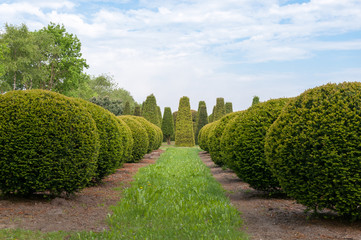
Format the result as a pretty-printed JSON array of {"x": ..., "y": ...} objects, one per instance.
[
  {"x": 14, "y": 80},
  {"x": 168, "y": 140}
]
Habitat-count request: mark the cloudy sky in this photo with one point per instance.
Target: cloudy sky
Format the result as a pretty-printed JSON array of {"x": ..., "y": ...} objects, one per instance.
[{"x": 206, "y": 49}]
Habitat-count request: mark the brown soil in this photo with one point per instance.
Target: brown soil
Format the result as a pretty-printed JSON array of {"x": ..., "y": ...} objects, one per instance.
[
  {"x": 267, "y": 218},
  {"x": 87, "y": 210}
]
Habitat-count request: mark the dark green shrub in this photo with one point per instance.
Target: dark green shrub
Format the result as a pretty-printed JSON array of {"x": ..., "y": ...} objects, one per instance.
[
  {"x": 112, "y": 146},
  {"x": 255, "y": 100},
  {"x": 202, "y": 118},
  {"x": 126, "y": 109},
  {"x": 214, "y": 138},
  {"x": 243, "y": 144},
  {"x": 184, "y": 135},
  {"x": 48, "y": 142},
  {"x": 167, "y": 124},
  {"x": 140, "y": 138},
  {"x": 151, "y": 131},
  {"x": 314, "y": 148},
  {"x": 113, "y": 106}
]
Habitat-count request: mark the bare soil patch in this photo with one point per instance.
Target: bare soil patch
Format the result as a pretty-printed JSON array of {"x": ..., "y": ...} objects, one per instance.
[
  {"x": 267, "y": 218},
  {"x": 87, "y": 210}
]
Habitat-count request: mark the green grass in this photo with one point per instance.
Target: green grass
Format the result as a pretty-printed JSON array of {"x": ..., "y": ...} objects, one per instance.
[
  {"x": 18, "y": 234},
  {"x": 176, "y": 198}
]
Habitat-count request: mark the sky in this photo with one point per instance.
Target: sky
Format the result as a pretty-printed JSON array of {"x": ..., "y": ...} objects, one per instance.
[{"x": 205, "y": 49}]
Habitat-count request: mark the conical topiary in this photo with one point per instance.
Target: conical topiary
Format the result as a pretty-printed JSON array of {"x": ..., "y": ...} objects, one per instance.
[{"x": 184, "y": 135}]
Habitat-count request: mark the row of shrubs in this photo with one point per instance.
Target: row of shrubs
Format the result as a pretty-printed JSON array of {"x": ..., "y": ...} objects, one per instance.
[
  {"x": 53, "y": 143},
  {"x": 308, "y": 146}
]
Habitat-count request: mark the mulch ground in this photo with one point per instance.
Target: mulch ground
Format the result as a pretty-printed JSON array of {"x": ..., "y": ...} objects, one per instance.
[
  {"x": 267, "y": 218},
  {"x": 87, "y": 210}
]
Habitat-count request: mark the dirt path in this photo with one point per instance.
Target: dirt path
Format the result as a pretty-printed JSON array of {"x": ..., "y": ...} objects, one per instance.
[
  {"x": 86, "y": 210},
  {"x": 272, "y": 219}
]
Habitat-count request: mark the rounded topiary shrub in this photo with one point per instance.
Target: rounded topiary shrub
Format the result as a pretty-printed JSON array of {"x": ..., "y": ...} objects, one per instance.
[
  {"x": 112, "y": 147},
  {"x": 140, "y": 137},
  {"x": 314, "y": 148},
  {"x": 243, "y": 144},
  {"x": 127, "y": 141},
  {"x": 159, "y": 137},
  {"x": 203, "y": 137},
  {"x": 48, "y": 142},
  {"x": 215, "y": 138},
  {"x": 151, "y": 131}
]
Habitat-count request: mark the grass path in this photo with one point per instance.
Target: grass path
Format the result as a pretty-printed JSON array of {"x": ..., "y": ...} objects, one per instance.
[{"x": 176, "y": 198}]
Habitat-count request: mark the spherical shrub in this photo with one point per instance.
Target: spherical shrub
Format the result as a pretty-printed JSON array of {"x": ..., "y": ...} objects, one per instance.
[
  {"x": 159, "y": 137},
  {"x": 203, "y": 137},
  {"x": 151, "y": 131},
  {"x": 140, "y": 137},
  {"x": 127, "y": 141},
  {"x": 243, "y": 144},
  {"x": 314, "y": 148},
  {"x": 48, "y": 142},
  {"x": 110, "y": 135},
  {"x": 215, "y": 138}
]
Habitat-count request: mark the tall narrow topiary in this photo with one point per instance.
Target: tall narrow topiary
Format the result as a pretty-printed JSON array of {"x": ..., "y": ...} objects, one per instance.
[
  {"x": 150, "y": 110},
  {"x": 229, "y": 107},
  {"x": 202, "y": 118},
  {"x": 184, "y": 135},
  {"x": 160, "y": 116},
  {"x": 220, "y": 109},
  {"x": 137, "y": 111},
  {"x": 126, "y": 109},
  {"x": 167, "y": 124},
  {"x": 255, "y": 100},
  {"x": 211, "y": 117}
]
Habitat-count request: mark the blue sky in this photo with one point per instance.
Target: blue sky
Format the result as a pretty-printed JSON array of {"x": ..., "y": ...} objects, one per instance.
[{"x": 206, "y": 49}]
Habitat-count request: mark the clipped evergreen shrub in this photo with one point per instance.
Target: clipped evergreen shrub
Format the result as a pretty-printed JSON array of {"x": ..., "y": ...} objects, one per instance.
[
  {"x": 126, "y": 109},
  {"x": 314, "y": 148},
  {"x": 184, "y": 135},
  {"x": 243, "y": 144},
  {"x": 112, "y": 146},
  {"x": 150, "y": 110},
  {"x": 220, "y": 109},
  {"x": 151, "y": 131},
  {"x": 140, "y": 138},
  {"x": 203, "y": 136},
  {"x": 202, "y": 118},
  {"x": 48, "y": 142},
  {"x": 229, "y": 107},
  {"x": 127, "y": 142},
  {"x": 214, "y": 138},
  {"x": 167, "y": 124}
]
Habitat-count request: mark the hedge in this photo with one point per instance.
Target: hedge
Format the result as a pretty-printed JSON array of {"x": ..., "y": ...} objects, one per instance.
[
  {"x": 140, "y": 138},
  {"x": 314, "y": 148},
  {"x": 111, "y": 136},
  {"x": 243, "y": 144},
  {"x": 153, "y": 134},
  {"x": 48, "y": 142},
  {"x": 214, "y": 138}
]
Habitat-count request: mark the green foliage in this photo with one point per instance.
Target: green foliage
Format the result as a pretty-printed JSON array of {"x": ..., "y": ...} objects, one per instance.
[
  {"x": 112, "y": 145},
  {"x": 113, "y": 106},
  {"x": 184, "y": 135},
  {"x": 160, "y": 116},
  {"x": 211, "y": 117},
  {"x": 48, "y": 142},
  {"x": 137, "y": 111},
  {"x": 314, "y": 148},
  {"x": 214, "y": 138},
  {"x": 255, "y": 100},
  {"x": 167, "y": 124},
  {"x": 140, "y": 138},
  {"x": 127, "y": 141},
  {"x": 229, "y": 107},
  {"x": 220, "y": 109},
  {"x": 203, "y": 136},
  {"x": 202, "y": 118},
  {"x": 127, "y": 110},
  {"x": 152, "y": 131},
  {"x": 243, "y": 144},
  {"x": 150, "y": 110},
  {"x": 176, "y": 198}
]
